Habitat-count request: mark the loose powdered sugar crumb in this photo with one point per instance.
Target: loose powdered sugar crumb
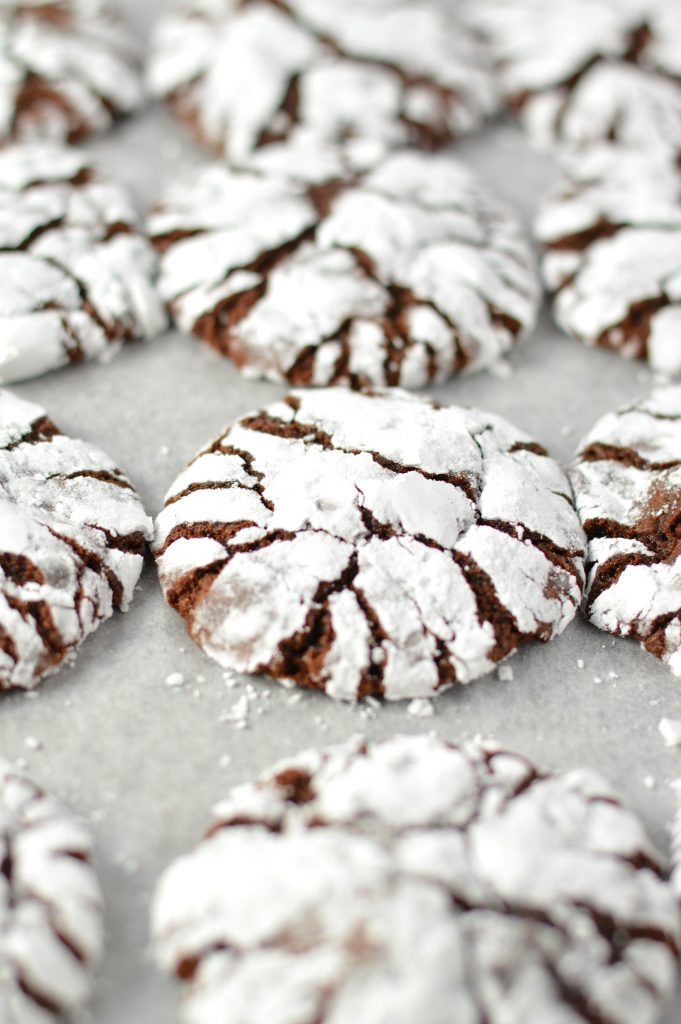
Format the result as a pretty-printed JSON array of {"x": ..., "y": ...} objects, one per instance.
[
  {"x": 175, "y": 679},
  {"x": 670, "y": 730}
]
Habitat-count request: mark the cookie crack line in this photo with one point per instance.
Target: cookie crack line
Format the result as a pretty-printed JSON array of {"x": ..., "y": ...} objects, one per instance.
[
  {"x": 598, "y": 451},
  {"x": 41, "y": 431}
]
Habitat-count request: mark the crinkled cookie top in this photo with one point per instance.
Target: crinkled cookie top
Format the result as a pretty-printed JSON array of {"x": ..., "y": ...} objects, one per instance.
[
  {"x": 245, "y": 73},
  {"x": 580, "y": 72},
  {"x": 67, "y": 68},
  {"x": 77, "y": 274},
  {"x": 416, "y": 880},
  {"x": 308, "y": 269},
  {"x": 627, "y": 484},
  {"x": 50, "y": 905},
  {"x": 370, "y": 544},
  {"x": 72, "y": 539},
  {"x": 611, "y": 234}
]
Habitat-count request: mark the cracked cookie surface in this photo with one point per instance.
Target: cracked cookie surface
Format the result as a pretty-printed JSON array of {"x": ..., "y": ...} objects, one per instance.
[
  {"x": 307, "y": 270},
  {"x": 416, "y": 880},
  {"x": 244, "y": 73},
  {"x": 611, "y": 235},
  {"x": 627, "y": 484},
  {"x": 77, "y": 274},
  {"x": 370, "y": 544},
  {"x": 72, "y": 539},
  {"x": 50, "y": 905},
  {"x": 67, "y": 68},
  {"x": 579, "y": 72}
]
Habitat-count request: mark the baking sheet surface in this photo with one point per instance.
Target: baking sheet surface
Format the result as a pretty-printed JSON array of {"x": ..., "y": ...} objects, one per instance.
[{"x": 143, "y": 761}]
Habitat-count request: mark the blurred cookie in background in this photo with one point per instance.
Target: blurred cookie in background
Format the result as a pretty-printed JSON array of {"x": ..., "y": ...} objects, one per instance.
[
  {"x": 68, "y": 68},
  {"x": 243, "y": 75}
]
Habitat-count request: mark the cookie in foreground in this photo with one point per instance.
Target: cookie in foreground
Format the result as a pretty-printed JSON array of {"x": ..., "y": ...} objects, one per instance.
[
  {"x": 370, "y": 544},
  {"x": 413, "y": 879},
  {"x": 73, "y": 534},
  {"x": 627, "y": 485},
  {"x": 51, "y": 930}
]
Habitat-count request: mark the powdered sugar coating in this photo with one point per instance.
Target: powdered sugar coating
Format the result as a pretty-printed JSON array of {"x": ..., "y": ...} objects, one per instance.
[
  {"x": 244, "y": 73},
  {"x": 308, "y": 270},
  {"x": 72, "y": 539},
  {"x": 67, "y": 68},
  {"x": 627, "y": 483},
  {"x": 370, "y": 544},
  {"x": 612, "y": 254},
  {"x": 579, "y": 72},
  {"x": 50, "y": 905},
  {"x": 77, "y": 276},
  {"x": 415, "y": 880}
]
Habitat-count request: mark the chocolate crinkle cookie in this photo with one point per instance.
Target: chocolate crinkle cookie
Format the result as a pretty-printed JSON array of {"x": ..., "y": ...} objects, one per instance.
[
  {"x": 370, "y": 544},
  {"x": 67, "y": 68},
  {"x": 72, "y": 539},
  {"x": 307, "y": 270},
  {"x": 414, "y": 880},
  {"x": 50, "y": 906},
  {"x": 244, "y": 73},
  {"x": 611, "y": 235},
  {"x": 627, "y": 484},
  {"x": 584, "y": 71},
  {"x": 77, "y": 274}
]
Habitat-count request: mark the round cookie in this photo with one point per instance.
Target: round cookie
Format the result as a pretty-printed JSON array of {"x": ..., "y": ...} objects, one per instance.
[
  {"x": 611, "y": 235},
  {"x": 627, "y": 485},
  {"x": 72, "y": 539},
  {"x": 307, "y": 270},
  {"x": 416, "y": 880},
  {"x": 50, "y": 906},
  {"x": 579, "y": 72},
  {"x": 370, "y": 544},
  {"x": 242, "y": 74},
  {"x": 77, "y": 275},
  {"x": 67, "y": 68}
]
